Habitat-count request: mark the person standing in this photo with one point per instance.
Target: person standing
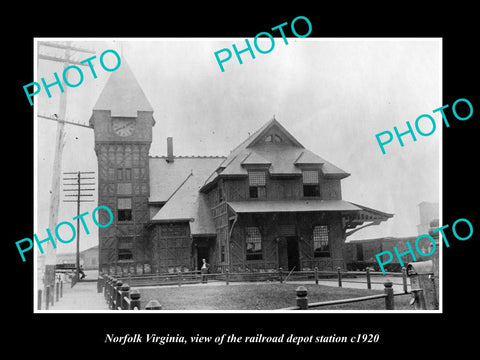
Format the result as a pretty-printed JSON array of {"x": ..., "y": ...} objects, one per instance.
[{"x": 204, "y": 271}]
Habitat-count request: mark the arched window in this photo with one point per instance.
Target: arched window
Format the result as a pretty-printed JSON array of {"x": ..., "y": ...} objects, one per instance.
[
  {"x": 254, "y": 243},
  {"x": 320, "y": 241}
]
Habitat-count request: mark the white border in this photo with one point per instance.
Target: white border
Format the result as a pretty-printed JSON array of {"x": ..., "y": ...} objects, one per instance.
[{"x": 276, "y": 312}]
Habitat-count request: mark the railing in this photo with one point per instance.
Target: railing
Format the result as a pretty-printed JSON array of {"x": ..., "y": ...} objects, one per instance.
[
  {"x": 119, "y": 296},
  {"x": 194, "y": 277},
  {"x": 52, "y": 293},
  {"x": 302, "y": 299}
]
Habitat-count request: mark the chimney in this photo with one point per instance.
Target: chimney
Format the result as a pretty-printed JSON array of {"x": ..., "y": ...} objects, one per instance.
[{"x": 170, "y": 149}]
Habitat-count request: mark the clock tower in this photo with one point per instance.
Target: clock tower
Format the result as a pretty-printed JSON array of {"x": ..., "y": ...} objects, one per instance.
[{"x": 122, "y": 120}]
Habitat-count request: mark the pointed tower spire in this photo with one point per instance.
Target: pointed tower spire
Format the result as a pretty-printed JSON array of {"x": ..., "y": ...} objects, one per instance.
[{"x": 122, "y": 94}]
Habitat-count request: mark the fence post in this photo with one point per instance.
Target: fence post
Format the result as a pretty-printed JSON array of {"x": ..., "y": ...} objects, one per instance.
[
  {"x": 418, "y": 299},
  {"x": 179, "y": 278},
  {"x": 57, "y": 291},
  {"x": 117, "y": 295},
  {"x": 153, "y": 305},
  {"x": 47, "y": 297},
  {"x": 369, "y": 282},
  {"x": 316, "y": 276},
  {"x": 124, "y": 293},
  {"x": 280, "y": 270},
  {"x": 61, "y": 288},
  {"x": 39, "y": 299},
  {"x": 112, "y": 293},
  {"x": 302, "y": 300},
  {"x": 134, "y": 300},
  {"x": 404, "y": 277},
  {"x": 99, "y": 283},
  {"x": 107, "y": 287},
  {"x": 339, "y": 271},
  {"x": 389, "y": 301},
  {"x": 227, "y": 277}
]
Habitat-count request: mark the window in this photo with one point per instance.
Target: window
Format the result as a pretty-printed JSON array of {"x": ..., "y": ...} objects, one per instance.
[
  {"x": 320, "y": 241},
  {"x": 254, "y": 243},
  {"x": 125, "y": 255},
  {"x": 124, "y": 209},
  {"x": 125, "y": 246},
  {"x": 221, "y": 196},
  {"x": 124, "y": 174},
  {"x": 273, "y": 139},
  {"x": 311, "y": 186},
  {"x": 359, "y": 252},
  {"x": 222, "y": 253},
  {"x": 257, "y": 181}
]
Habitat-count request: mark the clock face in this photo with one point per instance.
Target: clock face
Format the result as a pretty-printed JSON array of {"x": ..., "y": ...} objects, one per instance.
[{"x": 123, "y": 127}]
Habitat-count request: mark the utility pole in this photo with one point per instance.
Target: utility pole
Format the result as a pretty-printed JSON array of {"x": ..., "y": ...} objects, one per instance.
[
  {"x": 80, "y": 193},
  {"x": 50, "y": 253}
]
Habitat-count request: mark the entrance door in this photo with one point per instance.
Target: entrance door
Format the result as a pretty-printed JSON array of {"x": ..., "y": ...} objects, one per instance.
[
  {"x": 202, "y": 253},
  {"x": 292, "y": 253}
]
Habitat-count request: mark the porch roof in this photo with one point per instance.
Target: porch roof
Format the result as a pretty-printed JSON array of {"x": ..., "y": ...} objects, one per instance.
[{"x": 269, "y": 206}]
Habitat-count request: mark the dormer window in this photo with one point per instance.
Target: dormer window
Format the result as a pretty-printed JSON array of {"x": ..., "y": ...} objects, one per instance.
[
  {"x": 257, "y": 182},
  {"x": 311, "y": 187}
]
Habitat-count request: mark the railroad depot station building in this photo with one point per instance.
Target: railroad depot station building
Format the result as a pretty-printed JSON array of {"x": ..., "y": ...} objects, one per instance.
[{"x": 270, "y": 203}]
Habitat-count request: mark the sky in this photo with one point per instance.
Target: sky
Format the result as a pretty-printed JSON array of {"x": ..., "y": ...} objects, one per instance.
[{"x": 333, "y": 95}]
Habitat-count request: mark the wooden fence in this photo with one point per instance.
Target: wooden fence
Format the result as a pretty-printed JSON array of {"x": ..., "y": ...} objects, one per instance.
[
  {"x": 302, "y": 299},
  {"x": 195, "y": 277},
  {"x": 52, "y": 294},
  {"x": 119, "y": 296}
]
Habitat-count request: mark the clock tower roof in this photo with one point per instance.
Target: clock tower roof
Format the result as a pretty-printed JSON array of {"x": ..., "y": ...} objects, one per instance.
[{"x": 122, "y": 94}]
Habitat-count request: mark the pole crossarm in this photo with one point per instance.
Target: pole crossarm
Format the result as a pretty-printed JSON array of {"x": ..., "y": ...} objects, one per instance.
[
  {"x": 59, "y": 59},
  {"x": 65, "y": 47},
  {"x": 64, "y": 121}
]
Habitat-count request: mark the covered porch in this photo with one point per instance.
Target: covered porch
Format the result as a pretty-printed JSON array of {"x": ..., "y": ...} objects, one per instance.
[{"x": 293, "y": 235}]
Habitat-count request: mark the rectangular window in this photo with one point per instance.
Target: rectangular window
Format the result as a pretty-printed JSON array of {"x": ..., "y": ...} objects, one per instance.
[
  {"x": 320, "y": 241},
  {"x": 311, "y": 186},
  {"x": 359, "y": 252},
  {"x": 125, "y": 255},
  {"x": 124, "y": 209},
  {"x": 128, "y": 174},
  {"x": 125, "y": 246},
  {"x": 257, "y": 181},
  {"x": 222, "y": 253},
  {"x": 254, "y": 243},
  {"x": 221, "y": 196},
  {"x": 124, "y": 174}
]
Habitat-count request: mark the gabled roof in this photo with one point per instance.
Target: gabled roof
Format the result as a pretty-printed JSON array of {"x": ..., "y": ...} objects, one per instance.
[
  {"x": 254, "y": 158},
  {"x": 282, "y": 158},
  {"x": 166, "y": 177},
  {"x": 188, "y": 204},
  {"x": 122, "y": 94},
  {"x": 308, "y": 158}
]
